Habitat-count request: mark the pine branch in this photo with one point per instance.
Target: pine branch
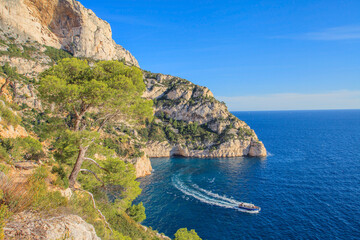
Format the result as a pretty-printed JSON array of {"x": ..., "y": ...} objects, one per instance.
[
  {"x": 98, "y": 165},
  {"x": 97, "y": 178}
]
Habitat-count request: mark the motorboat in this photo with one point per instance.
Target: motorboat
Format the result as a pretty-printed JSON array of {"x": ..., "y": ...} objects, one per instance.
[{"x": 249, "y": 207}]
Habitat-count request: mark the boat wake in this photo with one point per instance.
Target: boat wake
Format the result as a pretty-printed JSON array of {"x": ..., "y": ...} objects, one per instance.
[{"x": 205, "y": 196}]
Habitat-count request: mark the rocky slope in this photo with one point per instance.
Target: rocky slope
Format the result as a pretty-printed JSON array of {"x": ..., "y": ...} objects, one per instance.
[
  {"x": 205, "y": 129},
  {"x": 62, "y": 24},
  {"x": 28, "y": 225},
  {"x": 202, "y": 126}
]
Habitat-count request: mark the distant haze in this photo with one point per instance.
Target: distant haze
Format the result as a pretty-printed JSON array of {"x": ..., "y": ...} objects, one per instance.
[{"x": 294, "y": 101}]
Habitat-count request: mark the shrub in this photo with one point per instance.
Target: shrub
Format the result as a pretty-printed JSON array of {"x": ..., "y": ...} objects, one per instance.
[
  {"x": 184, "y": 234},
  {"x": 156, "y": 133},
  {"x": 4, "y": 215},
  {"x": 14, "y": 51},
  {"x": 57, "y": 54},
  {"x": 62, "y": 179},
  {"x": 4, "y": 168},
  {"x": 31, "y": 194},
  {"x": 3, "y": 154},
  {"x": 26, "y": 148},
  {"x": 8, "y": 116},
  {"x": 137, "y": 212}
]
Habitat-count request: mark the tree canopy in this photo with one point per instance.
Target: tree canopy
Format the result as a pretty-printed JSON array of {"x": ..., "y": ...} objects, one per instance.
[
  {"x": 109, "y": 88},
  {"x": 91, "y": 96},
  {"x": 184, "y": 234}
]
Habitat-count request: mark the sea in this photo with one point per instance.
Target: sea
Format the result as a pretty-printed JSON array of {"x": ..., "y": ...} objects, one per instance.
[{"x": 308, "y": 187}]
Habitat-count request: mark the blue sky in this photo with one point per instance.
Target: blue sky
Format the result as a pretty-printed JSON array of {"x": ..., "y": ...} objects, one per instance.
[{"x": 254, "y": 55}]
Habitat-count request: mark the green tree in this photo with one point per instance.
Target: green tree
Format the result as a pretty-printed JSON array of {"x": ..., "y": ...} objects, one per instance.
[
  {"x": 184, "y": 234},
  {"x": 137, "y": 212},
  {"x": 93, "y": 96},
  {"x": 10, "y": 73}
]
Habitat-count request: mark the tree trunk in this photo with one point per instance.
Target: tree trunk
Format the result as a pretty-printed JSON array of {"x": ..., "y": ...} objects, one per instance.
[
  {"x": 77, "y": 124},
  {"x": 79, "y": 161}
]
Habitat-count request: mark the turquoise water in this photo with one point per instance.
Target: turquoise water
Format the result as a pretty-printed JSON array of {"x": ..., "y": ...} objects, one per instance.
[{"x": 308, "y": 187}]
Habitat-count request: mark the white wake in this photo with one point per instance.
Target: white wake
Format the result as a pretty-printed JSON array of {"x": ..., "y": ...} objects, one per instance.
[{"x": 205, "y": 196}]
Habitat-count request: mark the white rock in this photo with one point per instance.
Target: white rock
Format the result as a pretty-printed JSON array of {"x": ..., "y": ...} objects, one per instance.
[{"x": 63, "y": 24}]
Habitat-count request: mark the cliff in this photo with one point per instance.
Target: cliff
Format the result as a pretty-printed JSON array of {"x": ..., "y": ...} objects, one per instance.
[
  {"x": 62, "y": 24},
  {"x": 194, "y": 123}
]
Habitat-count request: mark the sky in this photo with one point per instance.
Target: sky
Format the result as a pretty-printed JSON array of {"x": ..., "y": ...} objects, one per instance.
[{"x": 252, "y": 54}]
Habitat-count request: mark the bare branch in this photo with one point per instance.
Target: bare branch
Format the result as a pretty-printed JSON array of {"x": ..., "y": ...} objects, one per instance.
[
  {"x": 97, "y": 178},
  {"x": 94, "y": 204},
  {"x": 106, "y": 119},
  {"x": 93, "y": 161},
  {"x": 76, "y": 113}
]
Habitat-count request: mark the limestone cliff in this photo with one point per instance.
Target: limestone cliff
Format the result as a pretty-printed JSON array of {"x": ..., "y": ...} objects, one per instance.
[
  {"x": 62, "y": 24},
  {"x": 142, "y": 166},
  {"x": 195, "y": 123}
]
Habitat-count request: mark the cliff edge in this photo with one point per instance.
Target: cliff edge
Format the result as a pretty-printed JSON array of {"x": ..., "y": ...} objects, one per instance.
[
  {"x": 192, "y": 123},
  {"x": 64, "y": 24}
]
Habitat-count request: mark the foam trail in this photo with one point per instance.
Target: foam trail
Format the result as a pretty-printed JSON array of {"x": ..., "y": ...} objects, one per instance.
[
  {"x": 215, "y": 195},
  {"x": 198, "y": 195},
  {"x": 205, "y": 196}
]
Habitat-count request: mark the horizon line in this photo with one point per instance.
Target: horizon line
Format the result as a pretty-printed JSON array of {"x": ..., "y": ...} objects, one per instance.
[{"x": 284, "y": 110}]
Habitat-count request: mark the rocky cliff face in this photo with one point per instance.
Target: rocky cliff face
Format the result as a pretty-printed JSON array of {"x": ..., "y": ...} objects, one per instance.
[
  {"x": 142, "y": 166},
  {"x": 185, "y": 109},
  {"x": 32, "y": 226},
  {"x": 62, "y": 24}
]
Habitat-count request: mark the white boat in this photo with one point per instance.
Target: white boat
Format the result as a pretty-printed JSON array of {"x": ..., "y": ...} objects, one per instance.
[{"x": 249, "y": 207}]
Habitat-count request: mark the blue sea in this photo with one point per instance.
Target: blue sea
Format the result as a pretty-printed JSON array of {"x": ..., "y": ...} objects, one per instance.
[{"x": 308, "y": 187}]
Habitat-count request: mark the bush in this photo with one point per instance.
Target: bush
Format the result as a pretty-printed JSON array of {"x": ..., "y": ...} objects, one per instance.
[
  {"x": 137, "y": 212},
  {"x": 4, "y": 156},
  {"x": 57, "y": 54},
  {"x": 4, "y": 215},
  {"x": 8, "y": 116},
  {"x": 31, "y": 194},
  {"x": 26, "y": 148},
  {"x": 62, "y": 179},
  {"x": 156, "y": 132},
  {"x": 14, "y": 51},
  {"x": 184, "y": 234},
  {"x": 4, "y": 168}
]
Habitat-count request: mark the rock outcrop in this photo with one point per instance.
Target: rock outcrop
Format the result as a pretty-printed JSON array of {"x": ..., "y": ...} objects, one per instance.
[
  {"x": 177, "y": 99},
  {"x": 29, "y": 225},
  {"x": 142, "y": 166},
  {"x": 65, "y": 24}
]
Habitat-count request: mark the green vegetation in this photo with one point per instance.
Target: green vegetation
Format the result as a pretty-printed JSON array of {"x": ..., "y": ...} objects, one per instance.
[
  {"x": 195, "y": 136},
  {"x": 184, "y": 234},
  {"x": 111, "y": 87},
  {"x": 8, "y": 117},
  {"x": 57, "y": 54},
  {"x": 20, "y": 149},
  {"x": 83, "y": 134},
  {"x": 137, "y": 212},
  {"x": 18, "y": 51},
  {"x": 4, "y": 215},
  {"x": 31, "y": 195}
]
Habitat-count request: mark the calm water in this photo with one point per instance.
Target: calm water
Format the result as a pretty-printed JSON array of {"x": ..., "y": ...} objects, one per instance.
[{"x": 308, "y": 187}]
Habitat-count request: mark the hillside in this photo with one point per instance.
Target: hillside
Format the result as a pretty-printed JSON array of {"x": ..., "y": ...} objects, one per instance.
[
  {"x": 35, "y": 142},
  {"x": 192, "y": 123}
]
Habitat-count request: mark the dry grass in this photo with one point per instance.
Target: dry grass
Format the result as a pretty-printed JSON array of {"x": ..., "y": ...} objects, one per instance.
[
  {"x": 16, "y": 194},
  {"x": 29, "y": 192}
]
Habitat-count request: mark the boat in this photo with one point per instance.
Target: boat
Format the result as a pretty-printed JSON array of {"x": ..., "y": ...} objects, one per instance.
[{"x": 249, "y": 207}]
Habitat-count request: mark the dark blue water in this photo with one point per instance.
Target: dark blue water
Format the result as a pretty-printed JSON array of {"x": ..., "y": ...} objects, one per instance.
[{"x": 308, "y": 187}]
